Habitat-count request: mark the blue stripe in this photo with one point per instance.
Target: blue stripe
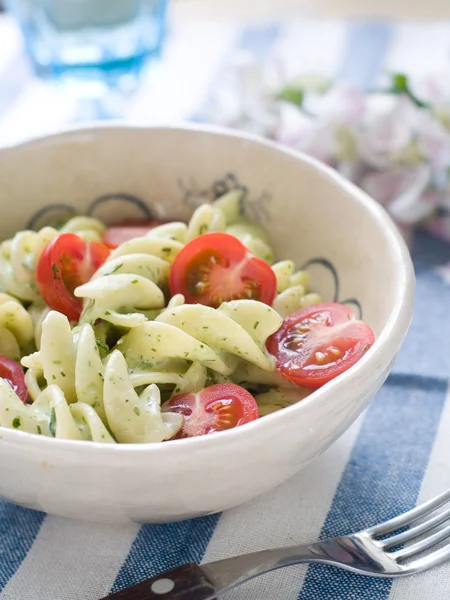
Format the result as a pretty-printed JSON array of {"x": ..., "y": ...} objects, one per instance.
[
  {"x": 18, "y": 530},
  {"x": 364, "y": 53},
  {"x": 431, "y": 312},
  {"x": 382, "y": 479},
  {"x": 258, "y": 40},
  {"x": 158, "y": 548}
]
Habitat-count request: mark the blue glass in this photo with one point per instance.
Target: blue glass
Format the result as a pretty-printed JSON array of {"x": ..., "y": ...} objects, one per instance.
[{"x": 95, "y": 43}]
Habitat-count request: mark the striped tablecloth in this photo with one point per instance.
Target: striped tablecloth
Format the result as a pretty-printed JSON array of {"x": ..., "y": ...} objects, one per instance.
[{"x": 397, "y": 454}]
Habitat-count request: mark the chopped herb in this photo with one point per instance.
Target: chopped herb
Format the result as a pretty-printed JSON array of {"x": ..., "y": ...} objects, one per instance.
[
  {"x": 137, "y": 411},
  {"x": 202, "y": 229},
  {"x": 16, "y": 423},
  {"x": 55, "y": 272},
  {"x": 101, "y": 345},
  {"x": 101, "y": 376},
  {"x": 103, "y": 436},
  {"x": 224, "y": 339},
  {"x": 135, "y": 281},
  {"x": 107, "y": 313},
  {"x": 186, "y": 354},
  {"x": 177, "y": 390},
  {"x": 205, "y": 327},
  {"x": 202, "y": 346},
  {"x": 53, "y": 377},
  {"x": 256, "y": 324},
  {"x": 56, "y": 362},
  {"x": 116, "y": 269},
  {"x": 63, "y": 374},
  {"x": 39, "y": 430},
  {"x": 166, "y": 249},
  {"x": 153, "y": 350},
  {"x": 364, "y": 350},
  {"x": 52, "y": 424}
]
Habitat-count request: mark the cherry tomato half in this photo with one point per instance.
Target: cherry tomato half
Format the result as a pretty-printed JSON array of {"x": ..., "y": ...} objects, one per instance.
[
  {"x": 13, "y": 373},
  {"x": 318, "y": 343},
  {"x": 215, "y": 408},
  {"x": 65, "y": 263},
  {"x": 216, "y": 267},
  {"x": 118, "y": 234}
]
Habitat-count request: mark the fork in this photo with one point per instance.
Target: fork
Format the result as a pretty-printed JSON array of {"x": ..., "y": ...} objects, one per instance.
[{"x": 368, "y": 552}]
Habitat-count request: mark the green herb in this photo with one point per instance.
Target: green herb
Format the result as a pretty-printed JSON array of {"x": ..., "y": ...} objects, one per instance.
[
  {"x": 167, "y": 249},
  {"x": 107, "y": 313},
  {"x": 52, "y": 424},
  {"x": 101, "y": 376},
  {"x": 205, "y": 327},
  {"x": 116, "y": 269},
  {"x": 135, "y": 281},
  {"x": 137, "y": 411},
  {"x": 39, "y": 430},
  {"x": 256, "y": 325},
  {"x": 101, "y": 345},
  {"x": 56, "y": 362},
  {"x": 186, "y": 354},
  {"x": 63, "y": 374},
  {"x": 16, "y": 423},
  {"x": 153, "y": 349},
  {"x": 55, "y": 272},
  {"x": 202, "y": 229}
]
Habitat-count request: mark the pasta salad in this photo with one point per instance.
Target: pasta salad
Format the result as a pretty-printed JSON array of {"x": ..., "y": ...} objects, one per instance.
[{"x": 152, "y": 331}]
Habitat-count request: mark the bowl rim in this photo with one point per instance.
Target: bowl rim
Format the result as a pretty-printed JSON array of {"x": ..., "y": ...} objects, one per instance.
[{"x": 392, "y": 334}]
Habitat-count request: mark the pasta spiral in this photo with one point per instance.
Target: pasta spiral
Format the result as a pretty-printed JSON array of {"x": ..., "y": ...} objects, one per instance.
[
  {"x": 16, "y": 328},
  {"x": 89, "y": 397},
  {"x": 185, "y": 343},
  {"x": 19, "y": 255},
  {"x": 292, "y": 289}
]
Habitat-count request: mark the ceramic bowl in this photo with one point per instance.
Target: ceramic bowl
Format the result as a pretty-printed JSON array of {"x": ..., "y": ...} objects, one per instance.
[{"x": 313, "y": 216}]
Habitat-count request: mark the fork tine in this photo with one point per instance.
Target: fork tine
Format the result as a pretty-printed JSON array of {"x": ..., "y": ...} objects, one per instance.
[
  {"x": 410, "y": 516},
  {"x": 428, "y": 542},
  {"x": 426, "y": 562},
  {"x": 410, "y": 534}
]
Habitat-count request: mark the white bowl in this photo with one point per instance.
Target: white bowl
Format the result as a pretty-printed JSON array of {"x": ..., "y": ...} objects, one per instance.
[{"x": 310, "y": 212}]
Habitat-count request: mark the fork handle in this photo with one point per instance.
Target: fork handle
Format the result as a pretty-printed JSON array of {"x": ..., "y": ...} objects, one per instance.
[{"x": 187, "y": 582}]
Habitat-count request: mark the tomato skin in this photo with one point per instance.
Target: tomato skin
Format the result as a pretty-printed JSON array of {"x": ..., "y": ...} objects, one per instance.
[
  {"x": 127, "y": 230},
  {"x": 215, "y": 408},
  {"x": 65, "y": 263},
  {"x": 14, "y": 375},
  {"x": 216, "y": 267},
  {"x": 318, "y": 343}
]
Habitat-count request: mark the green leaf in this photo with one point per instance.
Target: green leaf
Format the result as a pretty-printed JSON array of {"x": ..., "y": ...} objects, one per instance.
[
  {"x": 293, "y": 95},
  {"x": 400, "y": 85}
]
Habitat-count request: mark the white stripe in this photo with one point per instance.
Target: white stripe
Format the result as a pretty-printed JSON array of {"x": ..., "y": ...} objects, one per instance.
[
  {"x": 294, "y": 513},
  {"x": 434, "y": 584},
  {"x": 308, "y": 47},
  {"x": 10, "y": 41},
  {"x": 420, "y": 48},
  {"x": 71, "y": 560},
  {"x": 174, "y": 89}
]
